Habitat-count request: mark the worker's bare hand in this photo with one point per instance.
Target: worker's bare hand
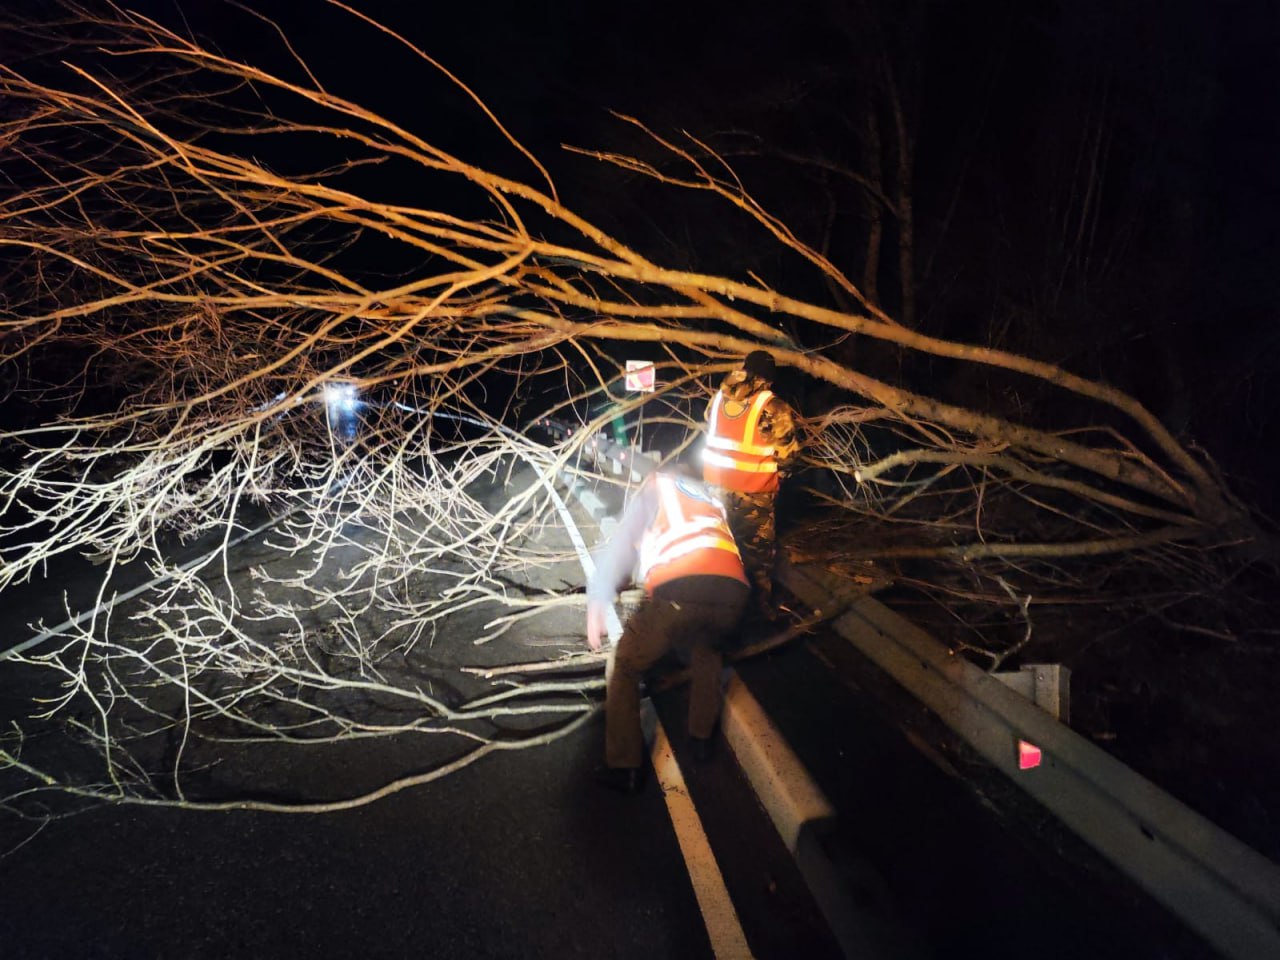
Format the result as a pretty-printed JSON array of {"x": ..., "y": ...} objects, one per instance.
[{"x": 595, "y": 623}]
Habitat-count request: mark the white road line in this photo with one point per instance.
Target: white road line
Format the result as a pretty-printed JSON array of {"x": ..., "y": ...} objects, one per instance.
[
  {"x": 728, "y": 942},
  {"x": 142, "y": 588}
]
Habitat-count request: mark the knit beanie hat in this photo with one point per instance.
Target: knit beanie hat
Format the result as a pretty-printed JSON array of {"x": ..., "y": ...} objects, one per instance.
[{"x": 759, "y": 364}]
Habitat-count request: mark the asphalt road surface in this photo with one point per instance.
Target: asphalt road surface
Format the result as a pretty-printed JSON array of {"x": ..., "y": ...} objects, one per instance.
[{"x": 521, "y": 855}]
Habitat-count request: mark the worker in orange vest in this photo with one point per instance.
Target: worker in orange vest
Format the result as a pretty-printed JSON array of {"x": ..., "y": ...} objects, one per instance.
[
  {"x": 674, "y": 533},
  {"x": 751, "y": 441}
]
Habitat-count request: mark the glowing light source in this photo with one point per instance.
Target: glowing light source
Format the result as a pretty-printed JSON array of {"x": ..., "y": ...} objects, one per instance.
[
  {"x": 341, "y": 396},
  {"x": 342, "y": 402}
]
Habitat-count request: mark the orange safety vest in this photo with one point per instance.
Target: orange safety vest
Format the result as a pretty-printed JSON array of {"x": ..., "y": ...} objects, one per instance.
[
  {"x": 688, "y": 537},
  {"x": 737, "y": 455}
]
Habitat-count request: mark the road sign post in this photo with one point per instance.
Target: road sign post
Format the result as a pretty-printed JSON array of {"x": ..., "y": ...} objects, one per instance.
[{"x": 641, "y": 378}]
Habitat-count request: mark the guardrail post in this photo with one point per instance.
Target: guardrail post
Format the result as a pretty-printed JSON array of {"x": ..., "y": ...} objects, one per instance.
[{"x": 1047, "y": 685}]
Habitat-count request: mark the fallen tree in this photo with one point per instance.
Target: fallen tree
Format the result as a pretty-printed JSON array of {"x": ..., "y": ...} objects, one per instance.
[{"x": 198, "y": 333}]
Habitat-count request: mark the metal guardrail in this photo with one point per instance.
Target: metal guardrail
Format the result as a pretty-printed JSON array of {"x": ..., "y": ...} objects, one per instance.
[
  {"x": 1219, "y": 887},
  {"x": 618, "y": 458}
]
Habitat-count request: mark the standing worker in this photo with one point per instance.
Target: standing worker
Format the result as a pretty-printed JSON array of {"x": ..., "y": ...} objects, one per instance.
[
  {"x": 751, "y": 441},
  {"x": 695, "y": 593}
]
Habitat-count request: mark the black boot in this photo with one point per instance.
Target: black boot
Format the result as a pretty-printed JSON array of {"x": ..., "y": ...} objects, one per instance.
[
  {"x": 628, "y": 780},
  {"x": 702, "y": 748}
]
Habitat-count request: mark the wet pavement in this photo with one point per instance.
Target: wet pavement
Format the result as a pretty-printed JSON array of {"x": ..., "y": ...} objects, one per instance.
[
  {"x": 518, "y": 856},
  {"x": 521, "y": 855}
]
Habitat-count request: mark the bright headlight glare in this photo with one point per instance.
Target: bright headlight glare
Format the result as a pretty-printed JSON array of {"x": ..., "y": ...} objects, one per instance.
[{"x": 341, "y": 395}]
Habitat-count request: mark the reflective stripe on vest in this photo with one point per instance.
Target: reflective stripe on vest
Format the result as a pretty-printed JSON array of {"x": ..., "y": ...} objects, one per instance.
[
  {"x": 734, "y": 456},
  {"x": 687, "y": 521},
  {"x": 720, "y": 460},
  {"x": 720, "y": 437}
]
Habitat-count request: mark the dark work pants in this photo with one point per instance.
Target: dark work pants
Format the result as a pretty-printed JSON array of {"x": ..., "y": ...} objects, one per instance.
[{"x": 699, "y": 611}]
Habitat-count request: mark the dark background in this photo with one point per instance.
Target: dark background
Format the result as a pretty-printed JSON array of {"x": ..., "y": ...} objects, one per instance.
[{"x": 1093, "y": 183}]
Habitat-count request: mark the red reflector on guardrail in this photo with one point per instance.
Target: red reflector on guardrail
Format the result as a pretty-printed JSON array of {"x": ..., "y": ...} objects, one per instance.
[{"x": 1028, "y": 755}]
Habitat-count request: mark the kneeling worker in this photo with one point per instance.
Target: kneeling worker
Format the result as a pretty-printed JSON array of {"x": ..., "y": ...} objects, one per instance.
[{"x": 695, "y": 591}]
